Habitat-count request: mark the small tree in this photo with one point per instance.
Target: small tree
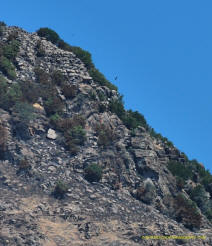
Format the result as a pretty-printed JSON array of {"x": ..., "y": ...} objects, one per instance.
[{"x": 93, "y": 173}]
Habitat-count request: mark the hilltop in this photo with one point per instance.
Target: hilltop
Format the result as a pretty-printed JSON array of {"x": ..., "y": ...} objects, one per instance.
[{"x": 76, "y": 168}]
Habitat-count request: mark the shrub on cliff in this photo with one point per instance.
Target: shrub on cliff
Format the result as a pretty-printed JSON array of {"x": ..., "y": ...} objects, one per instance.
[
  {"x": 99, "y": 78},
  {"x": 93, "y": 173},
  {"x": 10, "y": 50},
  {"x": 60, "y": 189},
  {"x": 10, "y": 95},
  {"x": 3, "y": 141},
  {"x": 133, "y": 119},
  {"x": 73, "y": 130},
  {"x": 199, "y": 195},
  {"x": 146, "y": 192},
  {"x": 42, "y": 77},
  {"x": 69, "y": 91},
  {"x": 49, "y": 34},
  {"x": 31, "y": 92},
  {"x": 57, "y": 78},
  {"x": 105, "y": 135},
  {"x": 24, "y": 112},
  {"x": 7, "y": 67},
  {"x": 83, "y": 55},
  {"x": 116, "y": 106},
  {"x": 2, "y": 25},
  {"x": 77, "y": 135},
  {"x": 181, "y": 170},
  {"x": 65, "y": 124},
  {"x": 40, "y": 50},
  {"x": 53, "y": 105},
  {"x": 187, "y": 212}
]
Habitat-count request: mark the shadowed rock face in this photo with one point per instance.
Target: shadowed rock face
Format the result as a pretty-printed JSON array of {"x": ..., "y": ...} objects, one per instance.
[{"x": 111, "y": 212}]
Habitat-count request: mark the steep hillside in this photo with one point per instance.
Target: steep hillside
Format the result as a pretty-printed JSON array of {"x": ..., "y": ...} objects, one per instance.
[{"x": 76, "y": 168}]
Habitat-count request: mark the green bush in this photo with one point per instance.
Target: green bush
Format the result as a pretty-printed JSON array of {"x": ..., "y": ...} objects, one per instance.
[
  {"x": 117, "y": 107},
  {"x": 3, "y": 91},
  {"x": 71, "y": 146},
  {"x": 64, "y": 46},
  {"x": 2, "y": 23},
  {"x": 208, "y": 214},
  {"x": 73, "y": 130},
  {"x": 42, "y": 77},
  {"x": 2, "y": 26},
  {"x": 160, "y": 137},
  {"x": 147, "y": 192},
  {"x": 55, "y": 120},
  {"x": 198, "y": 195},
  {"x": 206, "y": 180},
  {"x": 7, "y": 67},
  {"x": 134, "y": 119},
  {"x": 187, "y": 212},
  {"x": 204, "y": 175},
  {"x": 101, "y": 96},
  {"x": 9, "y": 95},
  {"x": 40, "y": 49},
  {"x": 12, "y": 36},
  {"x": 76, "y": 135},
  {"x": 100, "y": 79},
  {"x": 131, "y": 119},
  {"x": 57, "y": 78},
  {"x": 68, "y": 123},
  {"x": 60, "y": 189},
  {"x": 10, "y": 50},
  {"x": 92, "y": 95},
  {"x": 93, "y": 173},
  {"x": 105, "y": 135},
  {"x": 49, "y": 34},
  {"x": 180, "y": 182},
  {"x": 102, "y": 108},
  {"x": 83, "y": 55},
  {"x": 53, "y": 105},
  {"x": 24, "y": 111},
  {"x": 30, "y": 91},
  {"x": 181, "y": 170},
  {"x": 3, "y": 141}
]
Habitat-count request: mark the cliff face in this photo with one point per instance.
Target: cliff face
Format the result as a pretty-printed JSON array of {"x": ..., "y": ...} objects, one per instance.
[{"x": 73, "y": 127}]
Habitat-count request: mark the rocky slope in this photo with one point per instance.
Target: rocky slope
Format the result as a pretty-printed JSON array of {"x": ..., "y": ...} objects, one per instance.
[{"x": 137, "y": 194}]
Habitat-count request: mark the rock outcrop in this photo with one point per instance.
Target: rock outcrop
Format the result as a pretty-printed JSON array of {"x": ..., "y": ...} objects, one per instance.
[{"x": 137, "y": 193}]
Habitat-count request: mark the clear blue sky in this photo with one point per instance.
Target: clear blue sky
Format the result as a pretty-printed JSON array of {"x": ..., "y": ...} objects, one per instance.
[{"x": 161, "y": 52}]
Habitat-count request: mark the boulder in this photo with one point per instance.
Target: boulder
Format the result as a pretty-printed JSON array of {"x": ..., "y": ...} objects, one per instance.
[{"x": 51, "y": 134}]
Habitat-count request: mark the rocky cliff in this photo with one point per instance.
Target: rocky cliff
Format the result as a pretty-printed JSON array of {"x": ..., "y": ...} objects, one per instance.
[{"x": 72, "y": 172}]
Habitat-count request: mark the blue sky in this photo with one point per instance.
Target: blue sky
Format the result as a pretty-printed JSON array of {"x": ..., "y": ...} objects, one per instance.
[{"x": 161, "y": 52}]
